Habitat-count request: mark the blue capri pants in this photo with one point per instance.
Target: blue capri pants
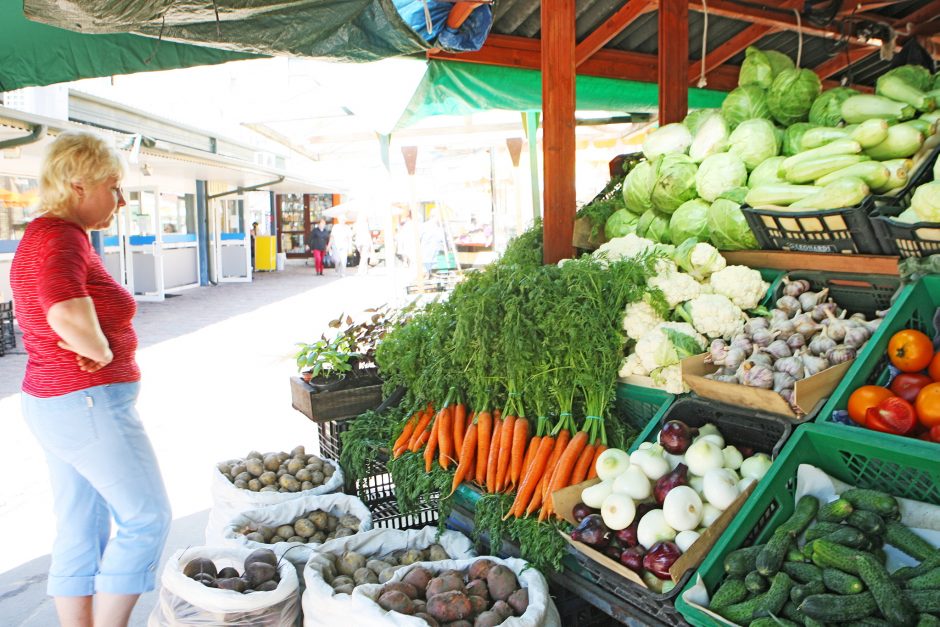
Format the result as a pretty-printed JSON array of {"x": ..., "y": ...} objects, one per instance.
[{"x": 102, "y": 466}]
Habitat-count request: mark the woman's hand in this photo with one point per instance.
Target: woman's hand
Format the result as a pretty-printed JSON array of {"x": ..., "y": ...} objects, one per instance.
[
  {"x": 76, "y": 324},
  {"x": 87, "y": 364}
]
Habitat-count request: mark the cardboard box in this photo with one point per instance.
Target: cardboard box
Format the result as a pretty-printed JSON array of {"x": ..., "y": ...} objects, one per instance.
[
  {"x": 566, "y": 499},
  {"x": 807, "y": 393}
]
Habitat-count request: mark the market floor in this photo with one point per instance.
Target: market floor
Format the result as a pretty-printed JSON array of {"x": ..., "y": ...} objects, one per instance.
[{"x": 216, "y": 363}]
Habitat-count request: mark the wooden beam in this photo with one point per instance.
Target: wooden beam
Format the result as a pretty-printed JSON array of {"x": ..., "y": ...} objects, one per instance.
[
  {"x": 728, "y": 49},
  {"x": 673, "y": 65},
  {"x": 929, "y": 11},
  {"x": 614, "y": 25},
  {"x": 792, "y": 260},
  {"x": 843, "y": 60},
  {"x": 558, "y": 124}
]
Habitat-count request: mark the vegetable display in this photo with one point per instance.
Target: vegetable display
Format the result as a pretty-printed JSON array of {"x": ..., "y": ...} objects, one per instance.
[
  {"x": 259, "y": 574},
  {"x": 315, "y": 527},
  {"x": 277, "y": 472},
  {"x": 352, "y": 569}
]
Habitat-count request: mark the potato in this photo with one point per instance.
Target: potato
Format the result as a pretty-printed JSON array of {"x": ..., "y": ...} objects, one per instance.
[
  {"x": 401, "y": 586},
  {"x": 289, "y": 483},
  {"x": 342, "y": 580},
  {"x": 282, "y": 457},
  {"x": 427, "y": 618},
  {"x": 420, "y": 605},
  {"x": 281, "y": 472},
  {"x": 519, "y": 601},
  {"x": 267, "y": 586},
  {"x": 258, "y": 572},
  {"x": 268, "y": 488},
  {"x": 388, "y": 573},
  {"x": 364, "y": 575},
  {"x": 317, "y": 477},
  {"x": 254, "y": 485},
  {"x": 255, "y": 467},
  {"x": 275, "y": 539},
  {"x": 306, "y": 485},
  {"x": 237, "y": 469},
  {"x": 256, "y": 536},
  {"x": 299, "y": 539},
  {"x": 411, "y": 556},
  {"x": 205, "y": 579},
  {"x": 501, "y": 581},
  {"x": 377, "y": 566},
  {"x": 442, "y": 584},
  {"x": 350, "y": 562},
  {"x": 319, "y": 519},
  {"x": 232, "y": 583},
  {"x": 436, "y": 553},
  {"x": 241, "y": 485},
  {"x": 271, "y": 462},
  {"x": 224, "y": 468},
  {"x": 479, "y": 604},
  {"x": 328, "y": 469},
  {"x": 347, "y": 589},
  {"x": 304, "y": 528},
  {"x": 267, "y": 532},
  {"x": 460, "y": 623},
  {"x": 244, "y": 476},
  {"x": 285, "y": 531},
  {"x": 199, "y": 566},
  {"x": 418, "y": 577},
  {"x": 315, "y": 462},
  {"x": 450, "y": 606},
  {"x": 488, "y": 619},
  {"x": 294, "y": 464},
  {"x": 302, "y": 475},
  {"x": 342, "y": 532},
  {"x": 299, "y": 451},
  {"x": 267, "y": 478},
  {"x": 477, "y": 588},
  {"x": 479, "y": 569},
  {"x": 396, "y": 601},
  {"x": 317, "y": 538},
  {"x": 254, "y": 455},
  {"x": 332, "y": 522},
  {"x": 350, "y": 522},
  {"x": 502, "y": 608}
]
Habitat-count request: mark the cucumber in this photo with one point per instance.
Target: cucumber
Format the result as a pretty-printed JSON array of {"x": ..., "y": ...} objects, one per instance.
[
  {"x": 899, "y": 536},
  {"x": 794, "y": 554},
  {"x": 803, "y": 572},
  {"x": 820, "y": 530},
  {"x": 803, "y": 590},
  {"x": 873, "y": 501},
  {"x": 802, "y": 516},
  {"x": 849, "y": 536},
  {"x": 840, "y": 582},
  {"x": 773, "y": 622},
  {"x": 887, "y": 594},
  {"x": 831, "y": 555},
  {"x": 868, "y": 522},
  {"x": 925, "y": 601},
  {"x": 792, "y": 612},
  {"x": 909, "y": 572},
  {"x": 838, "y": 608},
  {"x": 930, "y": 581},
  {"x": 728, "y": 593},
  {"x": 808, "y": 551},
  {"x": 742, "y": 561},
  {"x": 928, "y": 620},
  {"x": 755, "y": 582},
  {"x": 770, "y": 602},
  {"x": 836, "y": 511},
  {"x": 775, "y": 551},
  {"x": 870, "y": 621}
]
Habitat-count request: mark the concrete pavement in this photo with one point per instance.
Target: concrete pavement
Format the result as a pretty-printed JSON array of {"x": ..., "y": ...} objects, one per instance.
[{"x": 216, "y": 363}]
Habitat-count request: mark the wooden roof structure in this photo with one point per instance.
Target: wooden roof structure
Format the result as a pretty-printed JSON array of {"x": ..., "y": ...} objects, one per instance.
[{"x": 660, "y": 41}]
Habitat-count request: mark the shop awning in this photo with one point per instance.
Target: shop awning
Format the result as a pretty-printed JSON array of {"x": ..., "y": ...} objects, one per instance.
[{"x": 35, "y": 54}]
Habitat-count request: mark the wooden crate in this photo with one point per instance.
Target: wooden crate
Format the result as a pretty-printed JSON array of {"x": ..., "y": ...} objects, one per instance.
[{"x": 321, "y": 406}]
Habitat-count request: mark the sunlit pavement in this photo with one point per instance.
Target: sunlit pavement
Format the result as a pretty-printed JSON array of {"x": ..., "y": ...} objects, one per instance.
[{"x": 216, "y": 363}]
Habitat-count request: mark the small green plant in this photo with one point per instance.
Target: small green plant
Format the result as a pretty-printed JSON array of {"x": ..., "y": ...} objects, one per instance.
[{"x": 329, "y": 357}]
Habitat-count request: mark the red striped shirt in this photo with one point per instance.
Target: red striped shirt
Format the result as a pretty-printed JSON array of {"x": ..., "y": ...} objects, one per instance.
[{"x": 55, "y": 262}]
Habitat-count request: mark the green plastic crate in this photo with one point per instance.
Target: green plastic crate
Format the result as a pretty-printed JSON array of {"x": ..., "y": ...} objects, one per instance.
[
  {"x": 774, "y": 278},
  {"x": 638, "y": 406},
  {"x": 856, "y": 457},
  {"x": 915, "y": 309}
]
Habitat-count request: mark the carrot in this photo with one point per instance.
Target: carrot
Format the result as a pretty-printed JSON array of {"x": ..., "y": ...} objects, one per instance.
[
  {"x": 497, "y": 414},
  {"x": 533, "y": 474},
  {"x": 405, "y": 434},
  {"x": 484, "y": 435},
  {"x": 422, "y": 426},
  {"x": 431, "y": 447},
  {"x": 530, "y": 452},
  {"x": 466, "y": 456},
  {"x": 505, "y": 452},
  {"x": 445, "y": 436},
  {"x": 493, "y": 459},
  {"x": 598, "y": 449},
  {"x": 583, "y": 465},
  {"x": 561, "y": 442},
  {"x": 460, "y": 427},
  {"x": 536, "y": 501},
  {"x": 520, "y": 433},
  {"x": 561, "y": 476}
]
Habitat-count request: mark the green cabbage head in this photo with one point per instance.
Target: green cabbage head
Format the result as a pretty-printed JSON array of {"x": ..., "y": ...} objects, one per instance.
[
  {"x": 675, "y": 183},
  {"x": 744, "y": 103},
  {"x": 756, "y": 69},
  {"x": 638, "y": 187},
  {"x": 779, "y": 61},
  {"x": 827, "y": 108},
  {"x": 620, "y": 223},
  {"x": 719, "y": 173},
  {"x": 695, "y": 119},
  {"x": 926, "y": 202},
  {"x": 728, "y": 227},
  {"x": 690, "y": 220},
  {"x": 754, "y": 141},
  {"x": 792, "y": 94},
  {"x": 792, "y": 137},
  {"x": 654, "y": 225}
]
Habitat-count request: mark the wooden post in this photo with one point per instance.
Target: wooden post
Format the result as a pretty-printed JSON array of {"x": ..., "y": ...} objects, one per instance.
[
  {"x": 558, "y": 141},
  {"x": 673, "y": 55}
]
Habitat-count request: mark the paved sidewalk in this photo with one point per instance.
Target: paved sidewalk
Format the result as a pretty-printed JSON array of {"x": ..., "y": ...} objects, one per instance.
[{"x": 216, "y": 363}]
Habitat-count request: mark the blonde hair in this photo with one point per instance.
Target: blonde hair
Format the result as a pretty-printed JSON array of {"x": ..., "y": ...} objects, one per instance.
[{"x": 75, "y": 157}]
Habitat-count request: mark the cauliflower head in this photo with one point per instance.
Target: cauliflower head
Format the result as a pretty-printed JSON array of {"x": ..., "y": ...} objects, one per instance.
[
  {"x": 632, "y": 366},
  {"x": 714, "y": 315},
  {"x": 677, "y": 287},
  {"x": 667, "y": 344},
  {"x": 625, "y": 247},
  {"x": 741, "y": 284},
  {"x": 699, "y": 259},
  {"x": 640, "y": 318},
  {"x": 670, "y": 379}
]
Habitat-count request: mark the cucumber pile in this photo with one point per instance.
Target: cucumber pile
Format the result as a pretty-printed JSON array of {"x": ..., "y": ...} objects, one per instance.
[{"x": 826, "y": 564}]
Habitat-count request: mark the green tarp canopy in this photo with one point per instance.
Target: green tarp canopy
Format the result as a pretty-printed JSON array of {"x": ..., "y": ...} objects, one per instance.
[
  {"x": 35, "y": 54},
  {"x": 450, "y": 88}
]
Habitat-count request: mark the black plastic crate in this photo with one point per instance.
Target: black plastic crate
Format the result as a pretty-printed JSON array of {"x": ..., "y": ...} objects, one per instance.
[
  {"x": 857, "y": 293},
  {"x": 576, "y": 611},
  {"x": 845, "y": 230},
  {"x": 920, "y": 239},
  {"x": 7, "y": 333}
]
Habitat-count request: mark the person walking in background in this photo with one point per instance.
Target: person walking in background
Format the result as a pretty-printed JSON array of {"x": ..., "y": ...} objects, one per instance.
[
  {"x": 318, "y": 239},
  {"x": 80, "y": 390},
  {"x": 407, "y": 240},
  {"x": 363, "y": 243},
  {"x": 340, "y": 244},
  {"x": 432, "y": 241},
  {"x": 254, "y": 233}
]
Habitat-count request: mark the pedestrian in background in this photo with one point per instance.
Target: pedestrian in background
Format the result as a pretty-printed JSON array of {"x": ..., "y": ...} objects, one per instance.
[
  {"x": 317, "y": 242},
  {"x": 363, "y": 243},
  {"x": 340, "y": 244},
  {"x": 80, "y": 390}
]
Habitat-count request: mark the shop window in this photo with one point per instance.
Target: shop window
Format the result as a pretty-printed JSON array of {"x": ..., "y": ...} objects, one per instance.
[{"x": 19, "y": 202}]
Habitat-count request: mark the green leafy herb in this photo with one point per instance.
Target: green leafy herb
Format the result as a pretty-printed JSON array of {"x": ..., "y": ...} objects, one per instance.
[
  {"x": 366, "y": 436},
  {"x": 417, "y": 490}
]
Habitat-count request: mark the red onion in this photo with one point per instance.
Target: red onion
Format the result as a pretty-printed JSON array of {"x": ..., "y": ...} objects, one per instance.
[
  {"x": 675, "y": 437},
  {"x": 632, "y": 558},
  {"x": 661, "y": 557},
  {"x": 582, "y": 511},
  {"x": 678, "y": 476}
]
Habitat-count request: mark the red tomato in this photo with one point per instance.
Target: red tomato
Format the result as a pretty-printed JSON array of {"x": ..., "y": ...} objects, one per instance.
[
  {"x": 928, "y": 406},
  {"x": 892, "y": 415},
  {"x": 910, "y": 350},
  {"x": 908, "y": 385},
  {"x": 934, "y": 368},
  {"x": 865, "y": 397}
]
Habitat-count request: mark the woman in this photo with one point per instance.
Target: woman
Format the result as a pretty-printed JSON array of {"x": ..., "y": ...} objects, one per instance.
[
  {"x": 319, "y": 237},
  {"x": 339, "y": 245},
  {"x": 80, "y": 389}
]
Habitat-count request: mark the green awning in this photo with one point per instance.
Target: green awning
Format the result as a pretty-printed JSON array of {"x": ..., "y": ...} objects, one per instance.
[
  {"x": 451, "y": 88},
  {"x": 35, "y": 54}
]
